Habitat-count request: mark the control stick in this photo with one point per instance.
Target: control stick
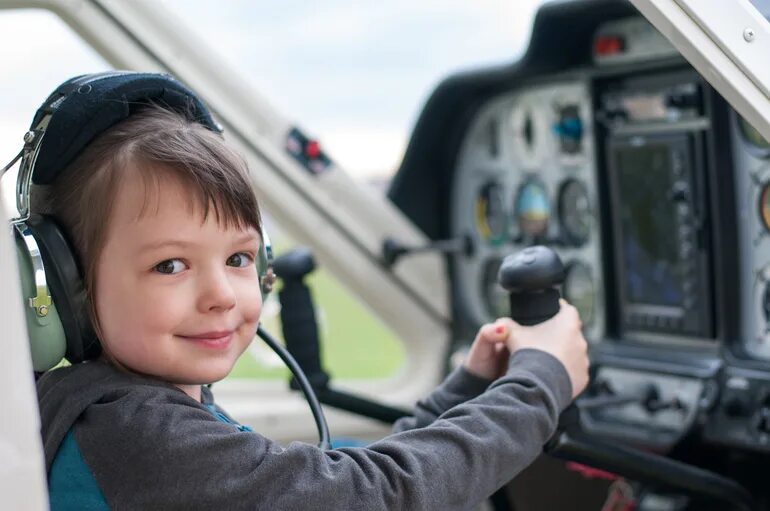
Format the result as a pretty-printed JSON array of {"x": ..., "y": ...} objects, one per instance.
[
  {"x": 532, "y": 277},
  {"x": 300, "y": 331}
]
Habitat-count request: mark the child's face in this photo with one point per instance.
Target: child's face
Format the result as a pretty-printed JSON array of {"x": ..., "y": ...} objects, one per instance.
[{"x": 177, "y": 297}]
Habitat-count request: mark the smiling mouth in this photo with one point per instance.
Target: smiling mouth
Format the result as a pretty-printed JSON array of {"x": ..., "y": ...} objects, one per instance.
[{"x": 212, "y": 340}]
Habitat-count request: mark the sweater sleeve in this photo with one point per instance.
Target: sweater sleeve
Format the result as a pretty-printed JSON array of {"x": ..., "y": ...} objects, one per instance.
[
  {"x": 460, "y": 386},
  {"x": 161, "y": 450}
]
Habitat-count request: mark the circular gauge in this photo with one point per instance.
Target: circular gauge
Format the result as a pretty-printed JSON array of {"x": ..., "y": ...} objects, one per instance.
[
  {"x": 528, "y": 139},
  {"x": 575, "y": 212},
  {"x": 579, "y": 291},
  {"x": 569, "y": 129},
  {"x": 490, "y": 217},
  {"x": 532, "y": 209},
  {"x": 756, "y": 141},
  {"x": 764, "y": 205},
  {"x": 524, "y": 128},
  {"x": 495, "y": 297}
]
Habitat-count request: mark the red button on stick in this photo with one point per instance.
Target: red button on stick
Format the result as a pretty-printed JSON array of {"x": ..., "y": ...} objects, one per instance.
[{"x": 312, "y": 149}]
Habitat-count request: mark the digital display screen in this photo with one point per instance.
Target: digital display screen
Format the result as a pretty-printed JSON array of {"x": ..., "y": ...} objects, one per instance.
[{"x": 648, "y": 224}]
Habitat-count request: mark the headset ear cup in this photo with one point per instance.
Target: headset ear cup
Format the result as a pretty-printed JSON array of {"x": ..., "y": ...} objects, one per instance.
[
  {"x": 265, "y": 266},
  {"x": 47, "y": 341},
  {"x": 67, "y": 289}
]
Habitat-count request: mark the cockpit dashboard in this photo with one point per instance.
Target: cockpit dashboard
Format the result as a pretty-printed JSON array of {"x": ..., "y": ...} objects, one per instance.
[{"x": 654, "y": 192}]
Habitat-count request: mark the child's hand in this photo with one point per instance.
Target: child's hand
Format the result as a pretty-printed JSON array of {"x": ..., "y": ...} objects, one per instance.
[
  {"x": 562, "y": 337},
  {"x": 488, "y": 356}
]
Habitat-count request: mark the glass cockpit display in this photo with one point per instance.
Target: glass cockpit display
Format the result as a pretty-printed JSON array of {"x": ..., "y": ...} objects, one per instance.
[
  {"x": 652, "y": 262},
  {"x": 661, "y": 253}
]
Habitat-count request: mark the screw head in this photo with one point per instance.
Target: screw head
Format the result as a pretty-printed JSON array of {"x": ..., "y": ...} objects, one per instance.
[
  {"x": 29, "y": 137},
  {"x": 42, "y": 311},
  {"x": 749, "y": 34}
]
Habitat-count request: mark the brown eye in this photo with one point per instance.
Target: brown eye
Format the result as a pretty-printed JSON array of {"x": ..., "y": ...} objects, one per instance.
[
  {"x": 170, "y": 266},
  {"x": 240, "y": 260}
]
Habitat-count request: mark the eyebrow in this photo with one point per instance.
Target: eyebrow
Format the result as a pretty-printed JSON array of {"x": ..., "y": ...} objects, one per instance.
[{"x": 156, "y": 245}]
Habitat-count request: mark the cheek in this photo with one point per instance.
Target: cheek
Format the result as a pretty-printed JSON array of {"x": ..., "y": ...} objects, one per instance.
[
  {"x": 249, "y": 301},
  {"x": 129, "y": 311}
]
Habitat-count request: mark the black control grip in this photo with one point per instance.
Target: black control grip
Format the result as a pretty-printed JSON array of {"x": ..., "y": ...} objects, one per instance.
[
  {"x": 531, "y": 278},
  {"x": 300, "y": 328}
]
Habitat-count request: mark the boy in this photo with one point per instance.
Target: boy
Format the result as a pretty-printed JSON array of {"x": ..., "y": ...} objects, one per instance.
[{"x": 166, "y": 228}]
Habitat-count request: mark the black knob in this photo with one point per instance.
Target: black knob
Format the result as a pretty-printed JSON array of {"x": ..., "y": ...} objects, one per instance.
[
  {"x": 531, "y": 277},
  {"x": 295, "y": 264}
]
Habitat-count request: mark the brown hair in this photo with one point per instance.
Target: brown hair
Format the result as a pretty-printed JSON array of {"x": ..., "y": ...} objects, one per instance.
[{"x": 152, "y": 141}]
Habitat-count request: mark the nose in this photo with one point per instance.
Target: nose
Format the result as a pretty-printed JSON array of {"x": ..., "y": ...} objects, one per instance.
[{"x": 216, "y": 292}]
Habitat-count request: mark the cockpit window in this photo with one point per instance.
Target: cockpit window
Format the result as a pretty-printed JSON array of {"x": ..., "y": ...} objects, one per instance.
[
  {"x": 356, "y": 75},
  {"x": 30, "y": 75}
]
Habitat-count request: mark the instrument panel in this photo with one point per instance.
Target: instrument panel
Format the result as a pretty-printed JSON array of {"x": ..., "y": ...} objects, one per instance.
[
  {"x": 656, "y": 196},
  {"x": 655, "y": 193},
  {"x": 527, "y": 175}
]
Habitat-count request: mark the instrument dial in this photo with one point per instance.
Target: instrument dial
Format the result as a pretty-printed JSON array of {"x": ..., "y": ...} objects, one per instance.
[
  {"x": 530, "y": 130},
  {"x": 569, "y": 129},
  {"x": 490, "y": 217},
  {"x": 759, "y": 344},
  {"x": 575, "y": 213},
  {"x": 532, "y": 210},
  {"x": 764, "y": 206},
  {"x": 495, "y": 297},
  {"x": 579, "y": 290}
]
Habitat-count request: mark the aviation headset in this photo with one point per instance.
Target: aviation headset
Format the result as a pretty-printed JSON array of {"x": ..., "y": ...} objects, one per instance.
[{"x": 80, "y": 109}]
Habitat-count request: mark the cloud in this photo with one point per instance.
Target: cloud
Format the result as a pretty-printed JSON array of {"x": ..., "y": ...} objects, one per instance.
[
  {"x": 354, "y": 73},
  {"x": 371, "y": 151}
]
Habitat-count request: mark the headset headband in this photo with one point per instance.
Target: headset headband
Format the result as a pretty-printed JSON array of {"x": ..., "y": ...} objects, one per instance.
[{"x": 85, "y": 106}]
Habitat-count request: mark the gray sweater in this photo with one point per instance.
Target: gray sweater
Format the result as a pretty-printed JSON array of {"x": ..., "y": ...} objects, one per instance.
[{"x": 150, "y": 446}]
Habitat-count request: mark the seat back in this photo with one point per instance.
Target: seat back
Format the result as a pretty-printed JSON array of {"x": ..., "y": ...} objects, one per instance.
[{"x": 23, "y": 481}]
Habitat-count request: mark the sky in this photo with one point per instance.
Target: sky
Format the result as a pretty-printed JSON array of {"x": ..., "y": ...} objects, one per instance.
[{"x": 353, "y": 74}]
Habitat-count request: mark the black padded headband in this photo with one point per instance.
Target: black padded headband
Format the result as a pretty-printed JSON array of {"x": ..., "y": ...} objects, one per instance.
[{"x": 85, "y": 106}]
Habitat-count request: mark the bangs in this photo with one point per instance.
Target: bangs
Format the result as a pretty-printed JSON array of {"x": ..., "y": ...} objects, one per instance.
[
  {"x": 231, "y": 208},
  {"x": 213, "y": 174}
]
